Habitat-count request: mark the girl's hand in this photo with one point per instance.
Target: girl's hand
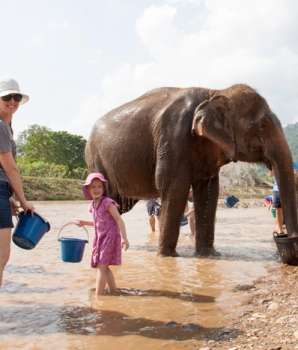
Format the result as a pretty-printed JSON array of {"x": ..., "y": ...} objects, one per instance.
[
  {"x": 80, "y": 223},
  {"x": 125, "y": 244}
]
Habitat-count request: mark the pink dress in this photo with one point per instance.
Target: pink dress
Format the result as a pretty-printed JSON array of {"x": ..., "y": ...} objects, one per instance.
[{"x": 107, "y": 240}]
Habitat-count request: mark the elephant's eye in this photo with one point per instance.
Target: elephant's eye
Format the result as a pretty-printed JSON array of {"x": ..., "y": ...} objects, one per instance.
[{"x": 262, "y": 126}]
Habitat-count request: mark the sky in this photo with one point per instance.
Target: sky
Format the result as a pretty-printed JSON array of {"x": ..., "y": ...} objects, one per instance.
[{"x": 77, "y": 60}]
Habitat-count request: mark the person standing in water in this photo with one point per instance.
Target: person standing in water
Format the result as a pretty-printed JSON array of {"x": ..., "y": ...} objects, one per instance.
[
  {"x": 10, "y": 180},
  {"x": 154, "y": 212},
  {"x": 109, "y": 229},
  {"x": 277, "y": 201},
  {"x": 189, "y": 212}
]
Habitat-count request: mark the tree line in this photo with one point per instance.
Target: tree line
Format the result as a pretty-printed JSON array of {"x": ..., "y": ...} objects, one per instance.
[{"x": 46, "y": 153}]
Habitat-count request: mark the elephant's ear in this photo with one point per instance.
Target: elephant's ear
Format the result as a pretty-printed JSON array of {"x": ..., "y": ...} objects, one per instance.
[{"x": 212, "y": 120}]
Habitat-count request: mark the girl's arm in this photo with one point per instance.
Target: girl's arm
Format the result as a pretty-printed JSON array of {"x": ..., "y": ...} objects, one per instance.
[
  {"x": 117, "y": 217},
  {"x": 189, "y": 212},
  {"x": 84, "y": 223}
]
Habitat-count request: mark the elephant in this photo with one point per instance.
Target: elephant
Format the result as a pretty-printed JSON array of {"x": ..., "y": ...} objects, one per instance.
[{"x": 169, "y": 139}]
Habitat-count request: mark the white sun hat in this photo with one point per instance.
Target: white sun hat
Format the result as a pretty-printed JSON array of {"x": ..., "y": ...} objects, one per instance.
[{"x": 11, "y": 86}]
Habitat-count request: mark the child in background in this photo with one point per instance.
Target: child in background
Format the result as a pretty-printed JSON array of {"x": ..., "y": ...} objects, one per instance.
[
  {"x": 109, "y": 229},
  {"x": 189, "y": 212},
  {"x": 268, "y": 201}
]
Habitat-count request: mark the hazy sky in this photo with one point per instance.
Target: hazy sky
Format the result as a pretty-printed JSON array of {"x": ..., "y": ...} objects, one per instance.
[{"x": 78, "y": 59}]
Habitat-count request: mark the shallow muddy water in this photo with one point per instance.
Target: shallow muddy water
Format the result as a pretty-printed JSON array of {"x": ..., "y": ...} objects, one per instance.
[{"x": 163, "y": 303}]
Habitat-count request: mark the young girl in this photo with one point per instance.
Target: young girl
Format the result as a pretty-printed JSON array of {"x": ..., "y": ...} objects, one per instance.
[{"x": 108, "y": 225}]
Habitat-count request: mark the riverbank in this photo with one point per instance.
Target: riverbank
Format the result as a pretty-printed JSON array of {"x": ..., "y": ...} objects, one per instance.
[
  {"x": 52, "y": 189},
  {"x": 269, "y": 315},
  {"x": 49, "y": 188}
]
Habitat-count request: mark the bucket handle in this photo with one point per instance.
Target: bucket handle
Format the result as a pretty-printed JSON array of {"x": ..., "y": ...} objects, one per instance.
[
  {"x": 72, "y": 223},
  {"x": 276, "y": 234}
]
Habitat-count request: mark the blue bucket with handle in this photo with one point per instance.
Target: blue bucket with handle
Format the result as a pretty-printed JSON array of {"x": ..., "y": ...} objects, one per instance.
[
  {"x": 72, "y": 249},
  {"x": 184, "y": 221},
  {"x": 29, "y": 230}
]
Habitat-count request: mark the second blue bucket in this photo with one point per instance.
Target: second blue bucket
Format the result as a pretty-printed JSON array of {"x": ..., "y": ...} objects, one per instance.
[
  {"x": 72, "y": 249},
  {"x": 29, "y": 230},
  {"x": 184, "y": 221}
]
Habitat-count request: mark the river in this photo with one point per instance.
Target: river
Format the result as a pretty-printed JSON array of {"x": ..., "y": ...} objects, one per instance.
[{"x": 162, "y": 303}]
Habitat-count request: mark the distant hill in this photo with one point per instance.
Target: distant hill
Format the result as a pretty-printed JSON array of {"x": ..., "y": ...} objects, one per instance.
[{"x": 291, "y": 134}]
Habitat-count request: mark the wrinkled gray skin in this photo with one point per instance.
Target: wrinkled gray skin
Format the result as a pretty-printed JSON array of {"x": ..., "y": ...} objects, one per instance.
[{"x": 170, "y": 138}]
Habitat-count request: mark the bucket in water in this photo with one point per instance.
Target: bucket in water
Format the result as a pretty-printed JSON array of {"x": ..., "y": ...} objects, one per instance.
[
  {"x": 72, "y": 249},
  {"x": 184, "y": 221},
  {"x": 29, "y": 230},
  {"x": 287, "y": 248},
  {"x": 273, "y": 213}
]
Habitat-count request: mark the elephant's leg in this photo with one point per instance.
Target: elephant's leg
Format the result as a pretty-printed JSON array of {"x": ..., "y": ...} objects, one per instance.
[
  {"x": 205, "y": 201},
  {"x": 172, "y": 209}
]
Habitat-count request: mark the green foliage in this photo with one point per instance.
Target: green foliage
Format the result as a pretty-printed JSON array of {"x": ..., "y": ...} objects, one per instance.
[
  {"x": 40, "y": 144},
  {"x": 245, "y": 175},
  {"x": 291, "y": 134},
  {"x": 43, "y": 169},
  {"x": 22, "y": 137}
]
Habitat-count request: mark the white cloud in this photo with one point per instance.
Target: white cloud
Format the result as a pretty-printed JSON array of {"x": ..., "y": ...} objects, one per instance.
[
  {"x": 59, "y": 25},
  {"x": 184, "y": 1},
  {"x": 239, "y": 42}
]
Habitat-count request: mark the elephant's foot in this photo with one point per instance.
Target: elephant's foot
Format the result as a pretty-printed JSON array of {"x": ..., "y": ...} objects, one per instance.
[
  {"x": 167, "y": 252},
  {"x": 207, "y": 252}
]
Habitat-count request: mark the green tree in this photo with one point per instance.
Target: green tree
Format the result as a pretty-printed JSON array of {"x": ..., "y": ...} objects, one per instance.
[
  {"x": 291, "y": 134},
  {"x": 54, "y": 147},
  {"x": 23, "y": 136}
]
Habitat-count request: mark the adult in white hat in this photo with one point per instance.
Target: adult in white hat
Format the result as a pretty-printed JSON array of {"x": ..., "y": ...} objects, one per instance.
[{"x": 10, "y": 180}]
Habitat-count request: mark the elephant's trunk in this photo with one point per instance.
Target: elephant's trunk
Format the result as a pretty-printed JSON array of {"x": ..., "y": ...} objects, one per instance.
[{"x": 284, "y": 173}]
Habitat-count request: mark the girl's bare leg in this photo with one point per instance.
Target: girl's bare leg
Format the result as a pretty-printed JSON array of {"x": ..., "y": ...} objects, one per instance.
[
  {"x": 111, "y": 281},
  {"x": 101, "y": 279},
  {"x": 5, "y": 235}
]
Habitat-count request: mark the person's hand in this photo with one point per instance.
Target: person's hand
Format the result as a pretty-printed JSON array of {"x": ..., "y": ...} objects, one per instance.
[
  {"x": 125, "y": 244},
  {"x": 188, "y": 213},
  {"x": 80, "y": 223},
  {"x": 14, "y": 207},
  {"x": 28, "y": 206}
]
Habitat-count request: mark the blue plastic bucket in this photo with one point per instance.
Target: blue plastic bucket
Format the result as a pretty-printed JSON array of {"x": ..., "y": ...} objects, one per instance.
[
  {"x": 231, "y": 201},
  {"x": 72, "y": 249},
  {"x": 29, "y": 230},
  {"x": 184, "y": 221}
]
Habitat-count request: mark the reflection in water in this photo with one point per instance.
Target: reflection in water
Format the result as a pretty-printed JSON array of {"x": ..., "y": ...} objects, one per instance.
[{"x": 161, "y": 303}]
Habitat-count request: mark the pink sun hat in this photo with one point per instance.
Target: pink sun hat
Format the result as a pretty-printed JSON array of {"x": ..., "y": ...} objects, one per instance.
[{"x": 89, "y": 179}]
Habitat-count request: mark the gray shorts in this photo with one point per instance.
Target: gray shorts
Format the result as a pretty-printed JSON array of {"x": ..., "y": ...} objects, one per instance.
[{"x": 153, "y": 207}]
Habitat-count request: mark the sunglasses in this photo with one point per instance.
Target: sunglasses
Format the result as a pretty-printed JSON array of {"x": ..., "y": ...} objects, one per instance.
[{"x": 16, "y": 97}]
